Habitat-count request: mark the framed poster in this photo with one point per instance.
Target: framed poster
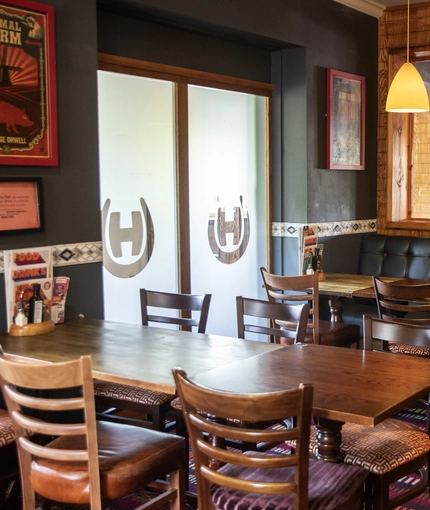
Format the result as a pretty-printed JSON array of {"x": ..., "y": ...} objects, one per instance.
[
  {"x": 28, "y": 113},
  {"x": 345, "y": 120},
  {"x": 20, "y": 205}
]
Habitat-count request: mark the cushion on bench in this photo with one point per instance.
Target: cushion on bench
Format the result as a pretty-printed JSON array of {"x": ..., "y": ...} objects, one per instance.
[{"x": 394, "y": 256}]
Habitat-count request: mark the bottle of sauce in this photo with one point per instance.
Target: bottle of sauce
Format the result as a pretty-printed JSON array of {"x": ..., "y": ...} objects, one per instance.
[{"x": 36, "y": 306}]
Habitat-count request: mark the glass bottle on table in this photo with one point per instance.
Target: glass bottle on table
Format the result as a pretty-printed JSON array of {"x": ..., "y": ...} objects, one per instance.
[{"x": 36, "y": 306}]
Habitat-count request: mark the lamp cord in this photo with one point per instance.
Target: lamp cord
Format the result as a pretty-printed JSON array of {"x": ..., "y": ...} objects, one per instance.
[{"x": 407, "y": 36}]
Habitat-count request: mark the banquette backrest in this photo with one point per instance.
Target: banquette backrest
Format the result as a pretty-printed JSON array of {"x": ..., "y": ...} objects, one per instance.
[
  {"x": 381, "y": 255},
  {"x": 405, "y": 257}
]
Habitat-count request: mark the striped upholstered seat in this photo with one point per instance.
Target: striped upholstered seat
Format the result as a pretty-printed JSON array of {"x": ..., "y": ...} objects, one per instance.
[
  {"x": 7, "y": 435},
  {"x": 330, "y": 487}
]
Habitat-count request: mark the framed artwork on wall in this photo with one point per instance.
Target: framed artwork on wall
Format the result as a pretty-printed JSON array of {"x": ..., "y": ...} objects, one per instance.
[
  {"x": 28, "y": 111},
  {"x": 346, "y": 96},
  {"x": 20, "y": 205}
]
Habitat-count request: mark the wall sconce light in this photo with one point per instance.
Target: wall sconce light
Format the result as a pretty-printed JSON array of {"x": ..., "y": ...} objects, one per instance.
[{"x": 407, "y": 93}]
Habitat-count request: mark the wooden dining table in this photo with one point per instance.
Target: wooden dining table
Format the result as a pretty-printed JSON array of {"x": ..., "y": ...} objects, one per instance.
[
  {"x": 339, "y": 286},
  {"x": 133, "y": 354},
  {"x": 350, "y": 385}
]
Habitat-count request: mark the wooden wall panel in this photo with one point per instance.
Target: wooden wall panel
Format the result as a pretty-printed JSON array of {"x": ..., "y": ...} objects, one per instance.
[{"x": 392, "y": 39}]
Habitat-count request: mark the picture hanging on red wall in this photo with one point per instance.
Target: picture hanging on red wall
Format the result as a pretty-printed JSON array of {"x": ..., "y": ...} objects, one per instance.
[{"x": 28, "y": 110}]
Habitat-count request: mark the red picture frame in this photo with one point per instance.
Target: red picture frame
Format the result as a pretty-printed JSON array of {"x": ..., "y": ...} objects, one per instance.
[
  {"x": 346, "y": 97},
  {"x": 28, "y": 96}
]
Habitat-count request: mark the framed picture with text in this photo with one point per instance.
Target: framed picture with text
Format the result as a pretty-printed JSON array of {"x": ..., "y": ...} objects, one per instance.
[
  {"x": 20, "y": 205},
  {"x": 345, "y": 120},
  {"x": 28, "y": 110}
]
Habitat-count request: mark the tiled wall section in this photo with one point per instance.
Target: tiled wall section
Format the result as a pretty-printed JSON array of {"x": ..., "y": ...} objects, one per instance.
[
  {"x": 336, "y": 228},
  {"x": 84, "y": 253}
]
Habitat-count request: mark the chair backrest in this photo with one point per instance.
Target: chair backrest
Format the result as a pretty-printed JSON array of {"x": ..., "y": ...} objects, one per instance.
[
  {"x": 394, "y": 332},
  {"x": 201, "y": 405},
  {"x": 183, "y": 303},
  {"x": 294, "y": 317},
  {"x": 293, "y": 289},
  {"x": 25, "y": 388},
  {"x": 403, "y": 301}
]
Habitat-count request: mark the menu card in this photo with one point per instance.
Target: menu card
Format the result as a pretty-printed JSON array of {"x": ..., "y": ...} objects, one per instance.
[{"x": 25, "y": 267}]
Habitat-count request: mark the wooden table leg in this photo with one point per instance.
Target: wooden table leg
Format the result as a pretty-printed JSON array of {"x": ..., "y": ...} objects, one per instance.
[
  {"x": 329, "y": 438},
  {"x": 215, "y": 440},
  {"x": 336, "y": 305}
]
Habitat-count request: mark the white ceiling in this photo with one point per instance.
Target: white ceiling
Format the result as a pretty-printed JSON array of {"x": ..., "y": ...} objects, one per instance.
[{"x": 374, "y": 7}]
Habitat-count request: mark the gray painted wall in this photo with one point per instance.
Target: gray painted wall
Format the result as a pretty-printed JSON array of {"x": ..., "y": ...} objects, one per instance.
[{"x": 289, "y": 43}]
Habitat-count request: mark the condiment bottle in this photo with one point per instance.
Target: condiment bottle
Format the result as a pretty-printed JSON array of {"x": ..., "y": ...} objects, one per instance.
[{"x": 36, "y": 305}]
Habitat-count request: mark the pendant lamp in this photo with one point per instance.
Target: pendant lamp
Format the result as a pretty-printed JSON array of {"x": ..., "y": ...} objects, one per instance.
[{"x": 407, "y": 92}]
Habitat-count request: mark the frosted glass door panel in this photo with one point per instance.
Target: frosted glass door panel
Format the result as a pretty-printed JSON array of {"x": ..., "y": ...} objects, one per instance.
[
  {"x": 227, "y": 150},
  {"x": 137, "y": 169}
]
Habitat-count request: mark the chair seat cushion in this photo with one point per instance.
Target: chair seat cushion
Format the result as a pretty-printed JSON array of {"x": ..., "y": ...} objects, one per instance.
[
  {"x": 381, "y": 448},
  {"x": 129, "y": 458},
  {"x": 7, "y": 435},
  {"x": 130, "y": 393},
  {"x": 330, "y": 485},
  {"x": 408, "y": 349}
]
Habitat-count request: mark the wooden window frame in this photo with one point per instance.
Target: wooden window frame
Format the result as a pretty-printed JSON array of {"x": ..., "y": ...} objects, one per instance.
[{"x": 399, "y": 157}]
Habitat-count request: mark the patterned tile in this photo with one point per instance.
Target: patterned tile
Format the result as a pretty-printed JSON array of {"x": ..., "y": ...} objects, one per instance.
[
  {"x": 326, "y": 229},
  {"x": 71, "y": 254}
]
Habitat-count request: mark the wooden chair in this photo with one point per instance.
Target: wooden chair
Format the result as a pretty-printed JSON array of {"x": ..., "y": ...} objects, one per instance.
[
  {"x": 260, "y": 480},
  {"x": 294, "y": 315},
  {"x": 154, "y": 404},
  {"x": 405, "y": 302},
  {"x": 88, "y": 461},
  {"x": 394, "y": 448},
  {"x": 293, "y": 289}
]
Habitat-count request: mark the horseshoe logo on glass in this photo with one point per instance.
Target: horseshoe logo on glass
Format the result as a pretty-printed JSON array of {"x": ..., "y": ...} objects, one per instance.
[
  {"x": 115, "y": 235},
  {"x": 238, "y": 230}
]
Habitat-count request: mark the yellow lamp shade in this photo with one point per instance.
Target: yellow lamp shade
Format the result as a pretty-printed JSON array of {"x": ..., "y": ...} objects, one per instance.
[{"x": 407, "y": 92}]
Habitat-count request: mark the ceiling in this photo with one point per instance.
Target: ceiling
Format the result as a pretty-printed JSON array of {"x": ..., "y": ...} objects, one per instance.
[{"x": 374, "y": 7}]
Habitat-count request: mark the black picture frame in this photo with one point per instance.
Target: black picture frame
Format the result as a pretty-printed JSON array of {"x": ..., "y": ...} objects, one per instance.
[{"x": 21, "y": 205}]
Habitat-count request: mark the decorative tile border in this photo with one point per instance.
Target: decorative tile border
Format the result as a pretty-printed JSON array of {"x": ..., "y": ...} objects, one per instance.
[
  {"x": 71, "y": 254},
  {"x": 327, "y": 229},
  {"x": 85, "y": 253}
]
